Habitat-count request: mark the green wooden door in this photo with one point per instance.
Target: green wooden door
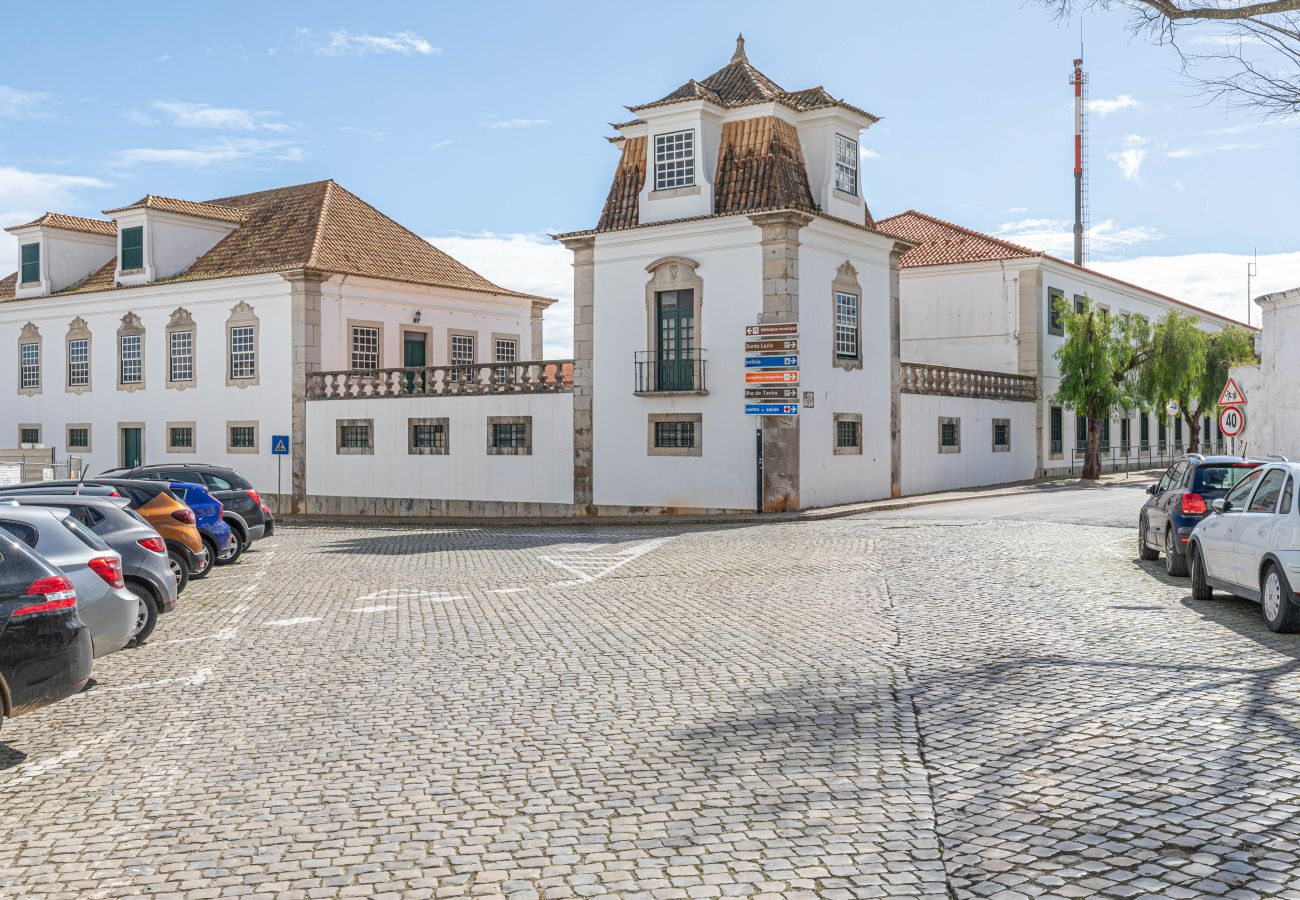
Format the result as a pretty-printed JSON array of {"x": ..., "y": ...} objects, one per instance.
[
  {"x": 414, "y": 355},
  {"x": 131, "y": 447},
  {"x": 675, "y": 311}
]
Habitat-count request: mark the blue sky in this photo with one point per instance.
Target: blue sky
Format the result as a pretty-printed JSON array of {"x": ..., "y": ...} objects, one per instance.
[{"x": 482, "y": 126}]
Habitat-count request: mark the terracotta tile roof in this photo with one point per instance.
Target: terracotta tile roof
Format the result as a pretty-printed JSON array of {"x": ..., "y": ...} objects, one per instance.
[
  {"x": 71, "y": 223},
  {"x": 184, "y": 207},
  {"x": 622, "y": 205},
  {"x": 761, "y": 166},
  {"x": 939, "y": 243},
  {"x": 319, "y": 226}
]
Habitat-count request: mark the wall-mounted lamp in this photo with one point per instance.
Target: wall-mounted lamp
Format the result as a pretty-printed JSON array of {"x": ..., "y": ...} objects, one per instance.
[{"x": 416, "y": 318}]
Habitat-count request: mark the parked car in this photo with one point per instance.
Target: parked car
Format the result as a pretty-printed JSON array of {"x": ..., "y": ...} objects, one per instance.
[
  {"x": 243, "y": 510},
  {"x": 173, "y": 520},
  {"x": 145, "y": 567},
  {"x": 45, "y": 651},
  {"x": 1250, "y": 545},
  {"x": 216, "y": 534},
  {"x": 1180, "y": 499},
  {"x": 110, "y": 611}
]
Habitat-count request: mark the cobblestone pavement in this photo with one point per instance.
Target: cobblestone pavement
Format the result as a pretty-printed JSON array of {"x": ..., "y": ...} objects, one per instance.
[{"x": 855, "y": 708}]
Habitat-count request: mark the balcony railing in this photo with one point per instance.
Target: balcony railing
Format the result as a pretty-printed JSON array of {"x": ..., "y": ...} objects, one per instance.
[
  {"x": 919, "y": 378},
  {"x": 540, "y": 377},
  {"x": 658, "y": 373}
]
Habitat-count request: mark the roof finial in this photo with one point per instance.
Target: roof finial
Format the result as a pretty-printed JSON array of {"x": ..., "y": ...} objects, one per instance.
[{"x": 739, "y": 55}]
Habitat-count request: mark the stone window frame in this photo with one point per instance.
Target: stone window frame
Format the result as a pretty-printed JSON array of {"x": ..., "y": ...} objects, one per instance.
[
  {"x": 243, "y": 423},
  {"x": 242, "y": 315},
  {"x": 676, "y": 273},
  {"x": 194, "y": 437},
  {"x": 993, "y": 435},
  {"x": 144, "y": 436},
  {"x": 131, "y": 326},
  {"x": 836, "y": 419},
  {"x": 955, "y": 421},
  {"x": 462, "y": 371},
  {"x": 181, "y": 321},
  {"x": 378, "y": 327},
  {"x": 1054, "y": 294},
  {"x": 526, "y": 450},
  {"x": 503, "y": 374},
  {"x": 845, "y": 282},
  {"x": 31, "y": 426},
  {"x": 31, "y": 335},
  {"x": 78, "y": 330},
  {"x": 67, "y": 436},
  {"x": 340, "y": 424},
  {"x": 427, "y": 331},
  {"x": 655, "y": 418},
  {"x": 412, "y": 423}
]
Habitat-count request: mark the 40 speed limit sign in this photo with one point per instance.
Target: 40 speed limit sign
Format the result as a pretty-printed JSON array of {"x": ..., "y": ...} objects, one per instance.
[{"x": 1232, "y": 421}]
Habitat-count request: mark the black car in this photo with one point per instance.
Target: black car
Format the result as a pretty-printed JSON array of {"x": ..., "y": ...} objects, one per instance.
[
  {"x": 45, "y": 652},
  {"x": 1180, "y": 499},
  {"x": 244, "y": 512}
]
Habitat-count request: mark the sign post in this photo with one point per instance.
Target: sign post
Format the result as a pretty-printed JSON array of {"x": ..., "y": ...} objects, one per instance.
[
  {"x": 279, "y": 449},
  {"x": 1232, "y": 412}
]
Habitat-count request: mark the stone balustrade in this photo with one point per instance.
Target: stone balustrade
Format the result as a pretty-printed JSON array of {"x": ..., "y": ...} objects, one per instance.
[
  {"x": 539, "y": 377},
  {"x": 918, "y": 378}
]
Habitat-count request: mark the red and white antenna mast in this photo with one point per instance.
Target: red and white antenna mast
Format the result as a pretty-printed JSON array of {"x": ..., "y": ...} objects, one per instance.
[{"x": 1079, "y": 80}]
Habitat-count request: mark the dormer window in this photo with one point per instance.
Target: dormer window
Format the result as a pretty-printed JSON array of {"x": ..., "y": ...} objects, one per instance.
[
  {"x": 846, "y": 164},
  {"x": 674, "y": 160},
  {"x": 31, "y": 261},
  {"x": 132, "y": 251}
]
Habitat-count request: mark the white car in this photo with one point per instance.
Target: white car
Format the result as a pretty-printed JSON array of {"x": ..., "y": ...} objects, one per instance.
[{"x": 1250, "y": 547}]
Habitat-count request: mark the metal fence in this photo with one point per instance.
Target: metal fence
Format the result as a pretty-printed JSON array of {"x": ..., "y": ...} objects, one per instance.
[
  {"x": 23, "y": 471},
  {"x": 1120, "y": 458}
]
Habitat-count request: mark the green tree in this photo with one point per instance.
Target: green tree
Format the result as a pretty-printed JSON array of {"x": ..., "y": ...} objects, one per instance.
[
  {"x": 1099, "y": 363},
  {"x": 1190, "y": 365}
]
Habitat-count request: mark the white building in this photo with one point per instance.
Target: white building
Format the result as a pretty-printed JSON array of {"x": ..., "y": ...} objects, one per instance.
[
  {"x": 974, "y": 300},
  {"x": 177, "y": 330},
  {"x": 1272, "y": 406}
]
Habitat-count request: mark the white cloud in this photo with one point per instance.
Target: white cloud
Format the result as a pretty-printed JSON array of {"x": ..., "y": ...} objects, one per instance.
[
  {"x": 226, "y": 118},
  {"x": 26, "y": 195},
  {"x": 494, "y": 122},
  {"x": 223, "y": 151},
  {"x": 1212, "y": 281},
  {"x": 1017, "y": 210},
  {"x": 438, "y": 145},
  {"x": 1130, "y": 159},
  {"x": 344, "y": 43},
  {"x": 366, "y": 132},
  {"x": 868, "y": 154},
  {"x": 18, "y": 104},
  {"x": 166, "y": 57},
  {"x": 1104, "y": 107},
  {"x": 1056, "y": 236},
  {"x": 528, "y": 262}
]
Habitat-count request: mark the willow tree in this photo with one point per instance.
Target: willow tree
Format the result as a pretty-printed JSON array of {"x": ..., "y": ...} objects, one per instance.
[
  {"x": 1190, "y": 365},
  {"x": 1099, "y": 362}
]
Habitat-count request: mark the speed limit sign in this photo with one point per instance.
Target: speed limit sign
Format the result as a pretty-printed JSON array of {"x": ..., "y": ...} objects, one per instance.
[{"x": 1232, "y": 421}]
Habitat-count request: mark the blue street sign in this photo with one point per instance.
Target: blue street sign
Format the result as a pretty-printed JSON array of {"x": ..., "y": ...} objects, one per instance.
[
  {"x": 771, "y": 362},
  {"x": 280, "y": 444},
  {"x": 771, "y": 409}
]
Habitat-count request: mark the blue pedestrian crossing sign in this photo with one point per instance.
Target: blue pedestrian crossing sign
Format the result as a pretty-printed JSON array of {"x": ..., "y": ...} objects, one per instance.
[{"x": 280, "y": 445}]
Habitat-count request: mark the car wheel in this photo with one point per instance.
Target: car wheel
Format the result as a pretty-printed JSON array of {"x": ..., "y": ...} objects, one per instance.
[
  {"x": 1145, "y": 552},
  {"x": 180, "y": 571},
  {"x": 1280, "y": 614},
  {"x": 1201, "y": 589},
  {"x": 1175, "y": 562},
  {"x": 210, "y": 546},
  {"x": 232, "y": 551},
  {"x": 146, "y": 616}
]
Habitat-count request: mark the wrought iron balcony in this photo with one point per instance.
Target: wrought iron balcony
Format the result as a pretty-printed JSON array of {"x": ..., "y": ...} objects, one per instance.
[
  {"x": 660, "y": 373},
  {"x": 540, "y": 377}
]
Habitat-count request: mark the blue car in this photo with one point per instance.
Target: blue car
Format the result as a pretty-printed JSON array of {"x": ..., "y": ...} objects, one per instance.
[
  {"x": 212, "y": 529},
  {"x": 1181, "y": 499}
]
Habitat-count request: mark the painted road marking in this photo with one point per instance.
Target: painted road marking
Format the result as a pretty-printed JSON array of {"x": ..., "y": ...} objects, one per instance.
[
  {"x": 593, "y": 562},
  {"x": 373, "y": 609},
  {"x": 300, "y": 621},
  {"x": 224, "y": 634},
  {"x": 194, "y": 680},
  {"x": 515, "y": 590}
]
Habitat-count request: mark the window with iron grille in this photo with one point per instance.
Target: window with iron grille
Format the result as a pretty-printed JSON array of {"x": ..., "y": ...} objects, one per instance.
[
  {"x": 243, "y": 436},
  {"x": 674, "y": 160},
  {"x": 1057, "y": 429},
  {"x": 31, "y": 366},
  {"x": 1001, "y": 434},
  {"x": 243, "y": 353},
  {"x": 1162, "y": 432},
  {"x": 949, "y": 435},
  {"x": 132, "y": 248},
  {"x": 78, "y": 438},
  {"x": 848, "y": 433},
  {"x": 1124, "y": 433},
  {"x": 354, "y": 437},
  {"x": 79, "y": 362},
  {"x": 365, "y": 348},
  {"x": 29, "y": 435},
  {"x": 1081, "y": 433},
  {"x": 1105, "y": 435},
  {"x": 131, "y": 367},
  {"x": 183, "y": 436},
  {"x": 506, "y": 351},
  {"x": 846, "y": 164},
  {"x": 509, "y": 435},
  {"x": 1144, "y": 431},
  {"x": 846, "y": 325},
  {"x": 677, "y": 435},
  {"x": 31, "y": 266},
  {"x": 182, "y": 356},
  {"x": 429, "y": 437}
]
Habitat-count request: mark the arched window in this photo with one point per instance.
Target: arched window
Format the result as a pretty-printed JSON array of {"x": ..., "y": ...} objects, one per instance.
[
  {"x": 241, "y": 346},
  {"x": 130, "y": 353},
  {"x": 846, "y": 297},
  {"x": 76, "y": 345},
  {"x": 29, "y": 360},
  {"x": 182, "y": 338}
]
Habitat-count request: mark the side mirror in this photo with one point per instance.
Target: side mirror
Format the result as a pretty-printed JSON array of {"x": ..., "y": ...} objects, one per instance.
[
  {"x": 1151, "y": 488},
  {"x": 1219, "y": 505}
]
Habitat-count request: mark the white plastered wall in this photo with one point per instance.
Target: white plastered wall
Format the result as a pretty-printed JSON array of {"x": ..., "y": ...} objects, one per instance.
[{"x": 926, "y": 470}]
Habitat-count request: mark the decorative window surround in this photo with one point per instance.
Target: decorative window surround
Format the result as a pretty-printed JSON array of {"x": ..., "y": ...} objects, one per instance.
[
  {"x": 78, "y": 431},
  {"x": 29, "y": 360},
  {"x": 182, "y": 344},
  {"x": 354, "y": 437},
  {"x": 846, "y": 437},
  {"x": 428, "y": 437},
  {"x": 653, "y": 433},
  {"x": 243, "y": 360},
  {"x": 675, "y": 273},
  {"x": 1001, "y": 435},
  {"x": 77, "y": 349},
  {"x": 238, "y": 437},
  {"x": 950, "y": 429},
  {"x": 130, "y": 354},
  {"x": 846, "y": 311},
  {"x": 501, "y": 427},
  {"x": 182, "y": 437}
]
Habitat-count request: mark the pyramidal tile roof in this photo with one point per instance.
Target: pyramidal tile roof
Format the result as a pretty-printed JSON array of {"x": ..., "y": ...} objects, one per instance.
[
  {"x": 319, "y": 226},
  {"x": 71, "y": 223}
]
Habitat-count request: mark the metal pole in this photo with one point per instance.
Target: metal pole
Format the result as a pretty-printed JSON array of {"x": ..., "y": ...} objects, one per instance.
[{"x": 758, "y": 443}]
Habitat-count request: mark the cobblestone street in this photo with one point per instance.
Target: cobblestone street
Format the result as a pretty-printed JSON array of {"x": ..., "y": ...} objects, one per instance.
[{"x": 957, "y": 701}]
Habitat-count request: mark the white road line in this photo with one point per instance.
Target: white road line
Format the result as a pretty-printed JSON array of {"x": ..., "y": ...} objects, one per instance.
[
  {"x": 596, "y": 561},
  {"x": 224, "y": 634},
  {"x": 515, "y": 590},
  {"x": 199, "y": 677},
  {"x": 300, "y": 621},
  {"x": 27, "y": 771},
  {"x": 373, "y": 609}
]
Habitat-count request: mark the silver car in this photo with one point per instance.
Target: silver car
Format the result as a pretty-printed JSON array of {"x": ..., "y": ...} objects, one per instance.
[
  {"x": 145, "y": 567},
  {"x": 109, "y": 610}
]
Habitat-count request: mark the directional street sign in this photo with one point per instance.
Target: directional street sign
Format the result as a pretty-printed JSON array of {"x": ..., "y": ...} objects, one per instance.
[
  {"x": 771, "y": 362},
  {"x": 780, "y": 346},
  {"x": 1232, "y": 395},
  {"x": 1232, "y": 420},
  {"x": 771, "y": 378},
  {"x": 771, "y": 409},
  {"x": 771, "y": 393},
  {"x": 783, "y": 329},
  {"x": 280, "y": 444}
]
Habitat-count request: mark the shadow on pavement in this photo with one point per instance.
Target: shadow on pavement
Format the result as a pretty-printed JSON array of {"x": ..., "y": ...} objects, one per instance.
[
  {"x": 419, "y": 540},
  {"x": 10, "y": 757}
]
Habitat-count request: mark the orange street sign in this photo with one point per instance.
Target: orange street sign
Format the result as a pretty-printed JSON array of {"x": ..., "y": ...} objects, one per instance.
[{"x": 771, "y": 378}]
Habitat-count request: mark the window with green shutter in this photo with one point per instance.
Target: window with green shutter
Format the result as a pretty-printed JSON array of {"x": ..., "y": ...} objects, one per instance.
[
  {"x": 133, "y": 248},
  {"x": 31, "y": 263}
]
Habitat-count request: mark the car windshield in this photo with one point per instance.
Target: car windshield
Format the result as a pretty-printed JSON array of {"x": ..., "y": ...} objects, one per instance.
[{"x": 1220, "y": 477}]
